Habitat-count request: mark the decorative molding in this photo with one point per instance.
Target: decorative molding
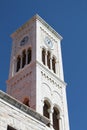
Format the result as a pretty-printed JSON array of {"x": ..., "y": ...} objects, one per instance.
[
  {"x": 31, "y": 21},
  {"x": 20, "y": 75},
  {"x": 16, "y": 104},
  {"x": 48, "y": 26},
  {"x": 50, "y": 79},
  {"x": 48, "y": 34},
  {"x": 53, "y": 74}
]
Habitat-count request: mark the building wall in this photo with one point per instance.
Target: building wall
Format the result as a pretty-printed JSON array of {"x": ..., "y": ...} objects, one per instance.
[
  {"x": 19, "y": 116},
  {"x": 36, "y": 80},
  {"x": 43, "y": 31},
  {"x": 23, "y": 85}
]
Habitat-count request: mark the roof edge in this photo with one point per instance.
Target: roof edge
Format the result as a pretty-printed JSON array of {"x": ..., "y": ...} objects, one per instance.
[
  {"x": 29, "y": 111},
  {"x": 36, "y": 17}
]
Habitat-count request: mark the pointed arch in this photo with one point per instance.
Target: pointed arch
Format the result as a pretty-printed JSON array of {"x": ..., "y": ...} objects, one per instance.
[
  {"x": 29, "y": 53},
  {"x": 23, "y": 58},
  {"x": 43, "y": 55},
  {"x": 54, "y": 65},
  {"x": 46, "y": 108},
  {"x": 10, "y": 128},
  {"x": 26, "y": 101},
  {"x": 48, "y": 59},
  {"x": 56, "y": 114},
  {"x": 18, "y": 63}
]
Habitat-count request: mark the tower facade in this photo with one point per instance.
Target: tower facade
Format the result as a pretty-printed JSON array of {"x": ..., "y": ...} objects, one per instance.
[{"x": 36, "y": 71}]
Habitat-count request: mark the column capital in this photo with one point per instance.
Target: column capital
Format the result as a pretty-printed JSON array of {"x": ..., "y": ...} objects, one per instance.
[
  {"x": 59, "y": 116},
  {"x": 46, "y": 52},
  {"x": 51, "y": 109}
]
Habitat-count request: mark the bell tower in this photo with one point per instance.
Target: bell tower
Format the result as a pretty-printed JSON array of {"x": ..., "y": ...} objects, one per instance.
[{"x": 36, "y": 71}]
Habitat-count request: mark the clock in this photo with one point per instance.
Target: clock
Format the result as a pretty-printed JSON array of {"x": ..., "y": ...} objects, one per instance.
[
  {"x": 24, "y": 41},
  {"x": 48, "y": 42}
]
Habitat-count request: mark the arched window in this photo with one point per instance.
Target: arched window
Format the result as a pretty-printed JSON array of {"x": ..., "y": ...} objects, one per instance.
[
  {"x": 26, "y": 101},
  {"x": 46, "y": 108},
  {"x": 43, "y": 56},
  {"x": 23, "y": 58},
  {"x": 18, "y": 63},
  {"x": 10, "y": 128},
  {"x": 55, "y": 119},
  {"x": 48, "y": 59},
  {"x": 29, "y": 55},
  {"x": 53, "y": 64}
]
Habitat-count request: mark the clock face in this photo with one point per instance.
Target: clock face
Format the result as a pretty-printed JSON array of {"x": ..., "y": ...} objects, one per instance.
[
  {"x": 24, "y": 41},
  {"x": 48, "y": 42}
]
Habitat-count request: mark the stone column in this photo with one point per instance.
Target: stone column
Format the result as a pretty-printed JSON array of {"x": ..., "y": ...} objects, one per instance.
[
  {"x": 60, "y": 119},
  {"x": 42, "y": 104},
  {"x": 57, "y": 67},
  {"x": 51, "y": 117},
  {"x": 14, "y": 64}
]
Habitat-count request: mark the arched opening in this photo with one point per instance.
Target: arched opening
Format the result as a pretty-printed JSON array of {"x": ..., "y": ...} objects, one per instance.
[
  {"x": 18, "y": 63},
  {"x": 29, "y": 55},
  {"x": 46, "y": 108},
  {"x": 53, "y": 64},
  {"x": 56, "y": 119},
  {"x": 26, "y": 101},
  {"x": 23, "y": 58},
  {"x": 43, "y": 56},
  {"x": 10, "y": 128},
  {"x": 48, "y": 59}
]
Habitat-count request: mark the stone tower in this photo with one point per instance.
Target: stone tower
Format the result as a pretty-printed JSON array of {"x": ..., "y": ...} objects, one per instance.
[{"x": 36, "y": 71}]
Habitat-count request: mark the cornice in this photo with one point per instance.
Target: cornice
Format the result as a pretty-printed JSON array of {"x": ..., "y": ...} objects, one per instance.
[
  {"x": 22, "y": 73},
  {"x": 29, "y": 111},
  {"x": 48, "y": 26},
  {"x": 33, "y": 19},
  {"x": 53, "y": 75}
]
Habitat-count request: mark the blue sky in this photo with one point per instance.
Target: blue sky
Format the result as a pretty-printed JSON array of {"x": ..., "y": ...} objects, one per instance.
[{"x": 68, "y": 18}]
